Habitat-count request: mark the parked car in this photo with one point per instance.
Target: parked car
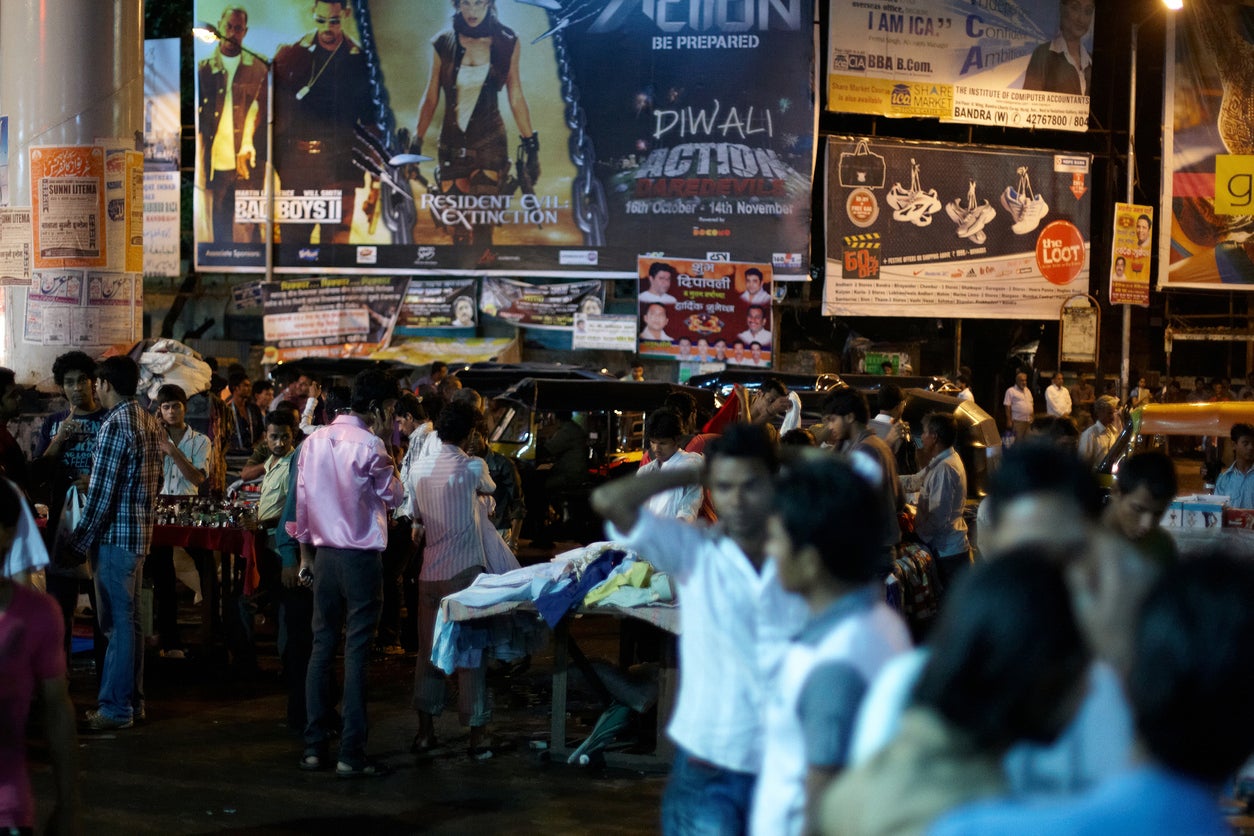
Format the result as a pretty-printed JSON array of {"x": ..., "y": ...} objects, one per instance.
[
  {"x": 1150, "y": 427},
  {"x": 491, "y": 379}
]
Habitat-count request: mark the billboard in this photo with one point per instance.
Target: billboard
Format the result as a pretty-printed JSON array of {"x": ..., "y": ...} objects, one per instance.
[
  {"x": 1208, "y": 156},
  {"x": 597, "y": 132},
  {"x": 933, "y": 230},
  {"x": 701, "y": 311},
  {"x": 1025, "y": 64}
]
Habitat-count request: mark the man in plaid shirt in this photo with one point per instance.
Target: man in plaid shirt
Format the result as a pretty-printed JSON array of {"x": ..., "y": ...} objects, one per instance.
[{"x": 117, "y": 525}]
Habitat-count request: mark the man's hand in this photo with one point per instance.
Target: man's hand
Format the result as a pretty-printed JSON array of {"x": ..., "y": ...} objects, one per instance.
[
  {"x": 290, "y": 577},
  {"x": 245, "y": 161},
  {"x": 167, "y": 446},
  {"x": 418, "y": 533},
  {"x": 531, "y": 157}
]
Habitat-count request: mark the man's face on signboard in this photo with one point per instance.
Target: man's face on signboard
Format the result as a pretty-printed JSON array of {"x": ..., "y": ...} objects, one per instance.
[
  {"x": 753, "y": 283},
  {"x": 754, "y": 318},
  {"x": 232, "y": 27},
  {"x": 329, "y": 18},
  {"x": 655, "y": 317},
  {"x": 1142, "y": 230},
  {"x": 660, "y": 282}
]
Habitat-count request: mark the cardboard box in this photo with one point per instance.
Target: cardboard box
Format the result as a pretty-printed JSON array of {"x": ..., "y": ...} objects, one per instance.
[
  {"x": 1195, "y": 511},
  {"x": 1239, "y": 518}
]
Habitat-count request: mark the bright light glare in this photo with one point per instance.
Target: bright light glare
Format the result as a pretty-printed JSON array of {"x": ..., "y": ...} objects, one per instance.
[
  {"x": 206, "y": 33},
  {"x": 1174, "y": 5}
]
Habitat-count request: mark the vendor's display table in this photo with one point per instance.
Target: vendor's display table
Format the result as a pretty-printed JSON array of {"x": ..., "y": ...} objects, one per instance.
[
  {"x": 239, "y": 575},
  {"x": 565, "y": 649}
]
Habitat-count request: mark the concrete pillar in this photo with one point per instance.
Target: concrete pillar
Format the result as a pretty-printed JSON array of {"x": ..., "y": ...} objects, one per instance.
[{"x": 71, "y": 72}]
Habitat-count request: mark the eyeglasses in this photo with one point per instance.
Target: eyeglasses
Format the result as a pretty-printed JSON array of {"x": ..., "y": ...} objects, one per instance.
[{"x": 323, "y": 21}]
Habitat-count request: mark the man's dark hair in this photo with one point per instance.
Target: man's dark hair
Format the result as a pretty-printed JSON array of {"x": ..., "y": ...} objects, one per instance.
[
  {"x": 235, "y": 376},
  {"x": 846, "y": 401},
  {"x": 456, "y": 422},
  {"x": 658, "y": 266},
  {"x": 753, "y": 271},
  {"x": 1037, "y": 466},
  {"x": 72, "y": 361},
  {"x": 437, "y": 366},
  {"x": 283, "y": 418},
  {"x": 1056, "y": 429},
  {"x": 757, "y": 308},
  {"x": 260, "y": 386},
  {"x": 409, "y": 405},
  {"x": 773, "y": 385},
  {"x": 468, "y": 396},
  {"x": 1192, "y": 678},
  {"x": 797, "y": 437},
  {"x": 943, "y": 425},
  {"x": 8, "y": 378},
  {"x": 1152, "y": 469},
  {"x": 338, "y": 399},
  {"x": 683, "y": 404},
  {"x": 287, "y": 405},
  {"x": 889, "y": 396},
  {"x": 962, "y": 378},
  {"x": 1240, "y": 431},
  {"x": 229, "y": 10},
  {"x": 1006, "y": 652},
  {"x": 663, "y": 423},
  {"x": 371, "y": 388},
  {"x": 744, "y": 441},
  {"x": 121, "y": 372},
  {"x": 817, "y": 494},
  {"x": 170, "y": 392}
]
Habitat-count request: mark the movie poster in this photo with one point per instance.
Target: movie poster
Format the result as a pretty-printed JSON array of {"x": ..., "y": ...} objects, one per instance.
[
  {"x": 1025, "y": 64},
  {"x": 600, "y": 131},
  {"x": 697, "y": 311},
  {"x": 931, "y": 230},
  {"x": 1208, "y": 164}
]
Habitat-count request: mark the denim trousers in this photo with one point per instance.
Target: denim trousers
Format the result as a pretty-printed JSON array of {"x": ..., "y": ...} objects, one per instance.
[
  {"x": 702, "y": 798},
  {"x": 346, "y": 595},
  {"x": 118, "y": 574},
  {"x": 472, "y": 693}
]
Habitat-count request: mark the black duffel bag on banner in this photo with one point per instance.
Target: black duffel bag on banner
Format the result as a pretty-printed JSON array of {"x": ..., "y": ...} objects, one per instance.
[{"x": 862, "y": 168}]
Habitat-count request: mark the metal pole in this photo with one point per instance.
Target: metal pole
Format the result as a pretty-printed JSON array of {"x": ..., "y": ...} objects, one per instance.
[
  {"x": 269, "y": 172},
  {"x": 1126, "y": 340}
]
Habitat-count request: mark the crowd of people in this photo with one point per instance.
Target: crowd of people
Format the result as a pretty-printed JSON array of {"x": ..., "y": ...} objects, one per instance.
[{"x": 1080, "y": 677}]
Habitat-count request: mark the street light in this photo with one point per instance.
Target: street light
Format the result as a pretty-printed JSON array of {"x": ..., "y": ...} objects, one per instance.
[
  {"x": 1126, "y": 340},
  {"x": 209, "y": 34}
]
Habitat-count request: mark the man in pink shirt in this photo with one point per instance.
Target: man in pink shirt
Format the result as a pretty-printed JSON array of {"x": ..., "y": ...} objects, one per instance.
[{"x": 345, "y": 483}]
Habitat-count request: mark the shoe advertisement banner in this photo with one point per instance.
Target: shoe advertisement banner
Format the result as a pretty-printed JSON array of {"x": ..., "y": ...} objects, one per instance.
[
  {"x": 505, "y": 137},
  {"x": 1025, "y": 64},
  {"x": 1130, "y": 250},
  {"x": 705, "y": 311},
  {"x": 551, "y": 306},
  {"x": 338, "y": 316},
  {"x": 954, "y": 231},
  {"x": 1208, "y": 150}
]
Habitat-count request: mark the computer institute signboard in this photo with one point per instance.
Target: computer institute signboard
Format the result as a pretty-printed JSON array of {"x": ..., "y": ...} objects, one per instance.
[{"x": 931, "y": 230}]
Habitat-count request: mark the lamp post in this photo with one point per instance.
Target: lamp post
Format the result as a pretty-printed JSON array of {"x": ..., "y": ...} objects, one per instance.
[
  {"x": 209, "y": 34},
  {"x": 1126, "y": 339}
]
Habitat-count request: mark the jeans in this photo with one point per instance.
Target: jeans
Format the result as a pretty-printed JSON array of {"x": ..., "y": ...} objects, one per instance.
[
  {"x": 118, "y": 574},
  {"x": 295, "y": 647},
  {"x": 472, "y": 696},
  {"x": 346, "y": 595},
  {"x": 702, "y": 798}
]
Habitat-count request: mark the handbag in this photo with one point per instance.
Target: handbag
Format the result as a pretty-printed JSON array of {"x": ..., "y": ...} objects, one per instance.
[
  {"x": 862, "y": 168},
  {"x": 65, "y": 561}
]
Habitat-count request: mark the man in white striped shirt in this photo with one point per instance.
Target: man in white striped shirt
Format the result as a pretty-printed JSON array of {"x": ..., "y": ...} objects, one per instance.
[
  {"x": 446, "y": 488},
  {"x": 735, "y": 621}
]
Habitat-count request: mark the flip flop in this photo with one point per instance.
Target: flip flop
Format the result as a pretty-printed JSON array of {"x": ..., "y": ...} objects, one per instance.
[{"x": 369, "y": 769}]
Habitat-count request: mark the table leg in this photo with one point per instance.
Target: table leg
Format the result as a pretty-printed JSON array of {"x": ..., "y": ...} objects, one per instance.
[{"x": 557, "y": 715}]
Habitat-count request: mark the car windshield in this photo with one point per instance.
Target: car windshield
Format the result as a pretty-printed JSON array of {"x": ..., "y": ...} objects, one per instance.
[{"x": 512, "y": 427}]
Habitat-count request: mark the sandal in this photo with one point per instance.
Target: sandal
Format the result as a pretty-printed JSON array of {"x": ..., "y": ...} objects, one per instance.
[
  {"x": 370, "y": 769},
  {"x": 426, "y": 748},
  {"x": 313, "y": 760}
]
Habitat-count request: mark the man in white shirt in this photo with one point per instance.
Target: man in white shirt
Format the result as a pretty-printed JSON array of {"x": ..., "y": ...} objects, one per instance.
[
  {"x": 736, "y": 620},
  {"x": 1096, "y": 441},
  {"x": 661, "y": 275},
  {"x": 754, "y": 293},
  {"x": 1058, "y": 398},
  {"x": 942, "y": 488},
  {"x": 1019, "y": 407},
  {"x": 755, "y": 318},
  {"x": 662, "y": 433}
]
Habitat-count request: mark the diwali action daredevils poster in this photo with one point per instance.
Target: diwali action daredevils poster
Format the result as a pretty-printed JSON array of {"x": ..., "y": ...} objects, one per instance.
[{"x": 506, "y": 137}]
